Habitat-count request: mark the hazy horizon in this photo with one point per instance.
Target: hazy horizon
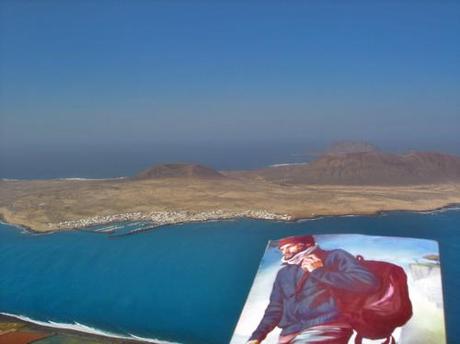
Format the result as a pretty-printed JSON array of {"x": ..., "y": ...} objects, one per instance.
[
  {"x": 197, "y": 81},
  {"x": 106, "y": 161}
]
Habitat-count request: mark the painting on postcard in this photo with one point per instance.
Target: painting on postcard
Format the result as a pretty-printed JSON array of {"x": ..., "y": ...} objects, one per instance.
[{"x": 344, "y": 289}]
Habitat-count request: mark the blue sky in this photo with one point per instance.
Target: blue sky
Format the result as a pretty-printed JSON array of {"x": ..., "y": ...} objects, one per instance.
[{"x": 126, "y": 72}]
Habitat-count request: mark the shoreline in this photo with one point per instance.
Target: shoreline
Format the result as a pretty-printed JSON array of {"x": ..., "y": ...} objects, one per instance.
[
  {"x": 249, "y": 214},
  {"x": 49, "y": 206},
  {"x": 75, "y": 331}
]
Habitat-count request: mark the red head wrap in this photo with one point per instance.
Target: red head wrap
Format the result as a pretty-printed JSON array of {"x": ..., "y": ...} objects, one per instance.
[{"x": 308, "y": 240}]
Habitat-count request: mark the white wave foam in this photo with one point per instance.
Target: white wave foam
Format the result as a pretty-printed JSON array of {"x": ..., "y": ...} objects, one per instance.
[
  {"x": 106, "y": 230},
  {"x": 132, "y": 336},
  {"x": 316, "y": 218},
  {"x": 21, "y": 229},
  {"x": 289, "y": 164},
  {"x": 386, "y": 213},
  {"x": 86, "y": 329},
  {"x": 440, "y": 210}
]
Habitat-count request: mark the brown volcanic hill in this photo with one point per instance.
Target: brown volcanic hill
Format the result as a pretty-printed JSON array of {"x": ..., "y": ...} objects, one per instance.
[
  {"x": 366, "y": 168},
  {"x": 179, "y": 171},
  {"x": 346, "y": 147}
]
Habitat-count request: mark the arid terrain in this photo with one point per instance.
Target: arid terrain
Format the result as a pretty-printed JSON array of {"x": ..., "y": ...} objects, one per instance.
[
  {"x": 60, "y": 204},
  {"x": 347, "y": 180}
]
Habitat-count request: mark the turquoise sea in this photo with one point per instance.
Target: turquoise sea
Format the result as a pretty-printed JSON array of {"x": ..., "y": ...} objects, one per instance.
[{"x": 182, "y": 283}]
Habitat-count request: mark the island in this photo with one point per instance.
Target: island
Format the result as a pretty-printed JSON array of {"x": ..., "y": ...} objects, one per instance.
[{"x": 361, "y": 180}]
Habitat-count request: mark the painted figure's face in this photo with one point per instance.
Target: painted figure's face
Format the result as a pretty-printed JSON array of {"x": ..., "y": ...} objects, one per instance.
[{"x": 290, "y": 250}]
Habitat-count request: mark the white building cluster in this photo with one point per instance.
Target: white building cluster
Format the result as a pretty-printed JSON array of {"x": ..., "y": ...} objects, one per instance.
[{"x": 169, "y": 217}]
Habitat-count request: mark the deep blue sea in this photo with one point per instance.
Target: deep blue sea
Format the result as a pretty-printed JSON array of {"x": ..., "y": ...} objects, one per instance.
[{"x": 183, "y": 283}]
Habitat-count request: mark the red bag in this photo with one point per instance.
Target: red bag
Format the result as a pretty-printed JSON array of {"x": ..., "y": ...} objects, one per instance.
[{"x": 378, "y": 314}]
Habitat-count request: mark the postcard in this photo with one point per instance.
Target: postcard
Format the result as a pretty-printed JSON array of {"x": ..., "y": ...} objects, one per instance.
[{"x": 345, "y": 288}]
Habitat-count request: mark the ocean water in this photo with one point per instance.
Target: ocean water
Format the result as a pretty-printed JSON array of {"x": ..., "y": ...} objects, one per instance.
[
  {"x": 123, "y": 159},
  {"x": 108, "y": 161},
  {"x": 182, "y": 283}
]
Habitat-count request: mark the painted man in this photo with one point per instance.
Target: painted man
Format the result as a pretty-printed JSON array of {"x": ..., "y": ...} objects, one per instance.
[{"x": 303, "y": 302}]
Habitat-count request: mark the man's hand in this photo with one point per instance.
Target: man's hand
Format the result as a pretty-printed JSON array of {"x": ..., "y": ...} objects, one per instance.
[
  {"x": 255, "y": 341},
  {"x": 311, "y": 262}
]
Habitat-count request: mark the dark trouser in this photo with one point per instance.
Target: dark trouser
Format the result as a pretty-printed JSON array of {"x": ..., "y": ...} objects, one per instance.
[{"x": 324, "y": 334}]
